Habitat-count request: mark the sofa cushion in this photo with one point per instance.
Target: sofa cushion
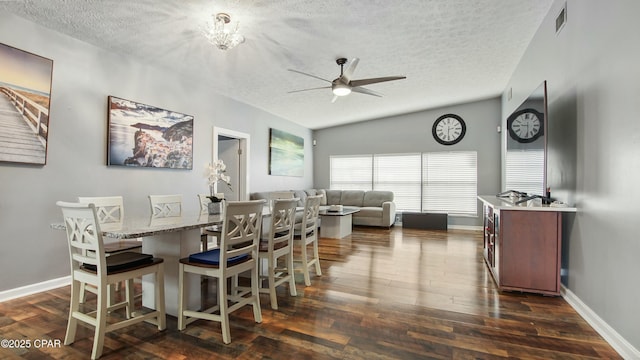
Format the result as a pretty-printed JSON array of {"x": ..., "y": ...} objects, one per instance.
[
  {"x": 265, "y": 195},
  {"x": 333, "y": 197},
  {"x": 322, "y": 192},
  {"x": 301, "y": 195},
  {"x": 352, "y": 197},
  {"x": 376, "y": 197},
  {"x": 369, "y": 211}
]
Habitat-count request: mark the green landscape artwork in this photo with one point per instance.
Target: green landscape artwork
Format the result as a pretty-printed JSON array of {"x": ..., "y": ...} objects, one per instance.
[{"x": 286, "y": 154}]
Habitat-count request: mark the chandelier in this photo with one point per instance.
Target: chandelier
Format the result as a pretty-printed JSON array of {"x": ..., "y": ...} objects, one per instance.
[{"x": 218, "y": 35}]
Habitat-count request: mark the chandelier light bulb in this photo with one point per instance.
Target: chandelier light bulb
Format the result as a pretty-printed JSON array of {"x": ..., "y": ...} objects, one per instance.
[{"x": 222, "y": 36}]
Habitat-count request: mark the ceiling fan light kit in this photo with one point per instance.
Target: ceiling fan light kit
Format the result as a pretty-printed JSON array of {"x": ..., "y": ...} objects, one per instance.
[
  {"x": 343, "y": 85},
  {"x": 340, "y": 89}
]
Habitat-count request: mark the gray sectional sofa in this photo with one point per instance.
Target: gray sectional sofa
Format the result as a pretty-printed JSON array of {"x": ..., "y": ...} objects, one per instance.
[{"x": 376, "y": 207}]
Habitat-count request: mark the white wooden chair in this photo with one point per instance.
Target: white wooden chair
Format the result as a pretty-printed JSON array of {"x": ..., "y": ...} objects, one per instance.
[
  {"x": 164, "y": 206},
  {"x": 278, "y": 244},
  {"x": 306, "y": 233},
  {"x": 275, "y": 195},
  {"x": 211, "y": 231},
  {"x": 110, "y": 214},
  {"x": 237, "y": 253},
  {"x": 89, "y": 265}
]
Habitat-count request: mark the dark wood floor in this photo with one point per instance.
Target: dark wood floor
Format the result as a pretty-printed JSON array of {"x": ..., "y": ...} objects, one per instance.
[{"x": 384, "y": 294}]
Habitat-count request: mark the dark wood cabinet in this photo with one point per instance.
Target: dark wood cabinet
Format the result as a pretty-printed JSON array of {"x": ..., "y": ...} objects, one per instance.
[{"x": 522, "y": 248}]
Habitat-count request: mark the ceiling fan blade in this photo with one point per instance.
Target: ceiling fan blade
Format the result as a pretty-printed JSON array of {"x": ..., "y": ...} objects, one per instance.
[
  {"x": 335, "y": 97},
  {"x": 362, "y": 90},
  {"x": 346, "y": 76},
  {"x": 313, "y": 76},
  {"x": 362, "y": 82},
  {"x": 316, "y": 88}
]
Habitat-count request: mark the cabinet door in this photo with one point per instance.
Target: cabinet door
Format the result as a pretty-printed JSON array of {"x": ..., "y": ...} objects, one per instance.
[{"x": 530, "y": 250}]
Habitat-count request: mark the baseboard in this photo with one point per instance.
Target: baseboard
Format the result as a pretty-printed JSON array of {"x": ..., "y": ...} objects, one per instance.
[
  {"x": 34, "y": 288},
  {"x": 617, "y": 342},
  {"x": 455, "y": 227},
  {"x": 466, "y": 227}
]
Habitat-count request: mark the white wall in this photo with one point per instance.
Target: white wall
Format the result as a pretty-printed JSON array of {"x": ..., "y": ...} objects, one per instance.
[
  {"x": 83, "y": 77},
  {"x": 594, "y": 85}
]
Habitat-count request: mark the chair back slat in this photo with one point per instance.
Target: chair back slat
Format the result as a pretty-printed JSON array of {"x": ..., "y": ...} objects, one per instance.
[
  {"x": 109, "y": 210},
  {"x": 241, "y": 229},
  {"x": 283, "y": 217},
  {"x": 163, "y": 206},
  {"x": 204, "y": 203},
  {"x": 84, "y": 235},
  {"x": 311, "y": 213},
  {"x": 278, "y": 195}
]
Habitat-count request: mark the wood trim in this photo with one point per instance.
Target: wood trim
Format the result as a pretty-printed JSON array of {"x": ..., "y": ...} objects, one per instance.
[{"x": 34, "y": 288}]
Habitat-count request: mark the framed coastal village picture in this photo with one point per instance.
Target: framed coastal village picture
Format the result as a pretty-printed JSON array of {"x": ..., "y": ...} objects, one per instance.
[
  {"x": 286, "y": 154},
  {"x": 25, "y": 93},
  {"x": 141, "y": 135}
]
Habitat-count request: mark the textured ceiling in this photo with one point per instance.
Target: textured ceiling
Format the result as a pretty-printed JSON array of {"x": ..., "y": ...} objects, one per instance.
[{"x": 451, "y": 51}]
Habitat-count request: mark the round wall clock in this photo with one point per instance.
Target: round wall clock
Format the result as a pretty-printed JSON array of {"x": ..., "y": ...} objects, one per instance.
[
  {"x": 449, "y": 129},
  {"x": 525, "y": 125}
]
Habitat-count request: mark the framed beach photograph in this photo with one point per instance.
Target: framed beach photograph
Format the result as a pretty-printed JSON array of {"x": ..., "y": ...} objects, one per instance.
[
  {"x": 25, "y": 93},
  {"x": 286, "y": 154},
  {"x": 141, "y": 135}
]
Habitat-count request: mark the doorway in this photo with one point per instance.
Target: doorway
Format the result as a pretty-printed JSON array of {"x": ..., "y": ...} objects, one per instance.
[{"x": 232, "y": 147}]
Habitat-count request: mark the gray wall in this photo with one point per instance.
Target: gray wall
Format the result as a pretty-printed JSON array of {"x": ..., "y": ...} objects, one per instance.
[
  {"x": 412, "y": 133},
  {"x": 83, "y": 77},
  {"x": 592, "y": 71}
]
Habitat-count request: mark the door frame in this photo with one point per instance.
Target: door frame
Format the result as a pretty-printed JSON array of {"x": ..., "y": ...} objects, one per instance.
[{"x": 245, "y": 141}]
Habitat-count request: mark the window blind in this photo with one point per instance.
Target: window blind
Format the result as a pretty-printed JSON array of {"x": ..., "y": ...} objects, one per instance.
[
  {"x": 354, "y": 172},
  {"x": 525, "y": 171},
  {"x": 438, "y": 182},
  {"x": 401, "y": 174},
  {"x": 450, "y": 182}
]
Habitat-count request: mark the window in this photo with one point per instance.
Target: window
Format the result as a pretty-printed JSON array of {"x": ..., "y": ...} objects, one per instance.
[
  {"x": 525, "y": 171},
  {"x": 351, "y": 172},
  {"x": 449, "y": 182},
  {"x": 401, "y": 174},
  {"x": 438, "y": 182}
]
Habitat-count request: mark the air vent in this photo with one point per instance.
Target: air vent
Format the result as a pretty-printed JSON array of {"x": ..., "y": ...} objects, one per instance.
[{"x": 561, "y": 19}]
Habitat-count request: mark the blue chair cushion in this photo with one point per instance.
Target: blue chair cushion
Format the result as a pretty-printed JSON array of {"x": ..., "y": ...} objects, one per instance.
[{"x": 212, "y": 257}]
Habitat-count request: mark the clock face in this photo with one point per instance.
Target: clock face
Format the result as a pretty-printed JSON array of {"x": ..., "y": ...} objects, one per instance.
[
  {"x": 449, "y": 129},
  {"x": 526, "y": 125}
]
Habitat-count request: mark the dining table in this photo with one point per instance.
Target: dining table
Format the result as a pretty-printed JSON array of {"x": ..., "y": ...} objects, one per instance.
[{"x": 170, "y": 238}]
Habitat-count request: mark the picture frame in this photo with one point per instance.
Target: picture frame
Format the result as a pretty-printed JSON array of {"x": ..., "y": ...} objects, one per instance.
[
  {"x": 286, "y": 154},
  {"x": 141, "y": 135},
  {"x": 25, "y": 102}
]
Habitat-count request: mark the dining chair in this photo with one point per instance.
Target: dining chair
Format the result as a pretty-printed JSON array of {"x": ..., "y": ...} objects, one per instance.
[
  {"x": 110, "y": 215},
  {"x": 278, "y": 244},
  {"x": 89, "y": 265},
  {"x": 275, "y": 195},
  {"x": 164, "y": 206},
  {"x": 211, "y": 231},
  {"x": 237, "y": 253},
  {"x": 305, "y": 234}
]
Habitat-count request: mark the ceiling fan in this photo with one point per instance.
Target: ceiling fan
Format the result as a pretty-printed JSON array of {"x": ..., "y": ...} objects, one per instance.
[{"x": 343, "y": 85}]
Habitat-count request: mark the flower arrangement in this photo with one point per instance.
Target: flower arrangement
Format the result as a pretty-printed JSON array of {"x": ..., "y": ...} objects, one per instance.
[{"x": 216, "y": 174}]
